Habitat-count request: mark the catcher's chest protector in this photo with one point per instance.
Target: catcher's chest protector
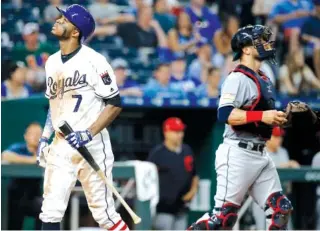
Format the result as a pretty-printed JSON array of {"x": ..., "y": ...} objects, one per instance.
[{"x": 265, "y": 101}]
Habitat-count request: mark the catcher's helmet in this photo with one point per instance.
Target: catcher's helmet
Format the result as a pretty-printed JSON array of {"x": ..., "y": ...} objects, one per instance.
[
  {"x": 81, "y": 18},
  {"x": 257, "y": 36}
]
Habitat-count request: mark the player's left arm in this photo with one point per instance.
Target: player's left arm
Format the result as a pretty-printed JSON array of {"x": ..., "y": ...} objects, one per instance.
[
  {"x": 105, "y": 88},
  {"x": 104, "y": 83},
  {"x": 107, "y": 116}
]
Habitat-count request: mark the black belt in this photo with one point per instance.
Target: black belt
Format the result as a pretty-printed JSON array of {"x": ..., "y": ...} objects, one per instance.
[{"x": 251, "y": 146}]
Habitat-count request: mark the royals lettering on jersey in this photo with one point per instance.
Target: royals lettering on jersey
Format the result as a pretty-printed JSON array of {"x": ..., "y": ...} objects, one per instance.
[
  {"x": 264, "y": 101},
  {"x": 76, "y": 88},
  {"x": 66, "y": 84}
]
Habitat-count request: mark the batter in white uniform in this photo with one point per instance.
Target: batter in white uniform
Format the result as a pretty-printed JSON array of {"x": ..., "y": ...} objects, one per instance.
[
  {"x": 247, "y": 106},
  {"x": 82, "y": 90}
]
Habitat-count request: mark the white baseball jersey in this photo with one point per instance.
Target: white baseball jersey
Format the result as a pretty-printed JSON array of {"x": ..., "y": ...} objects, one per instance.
[{"x": 76, "y": 88}]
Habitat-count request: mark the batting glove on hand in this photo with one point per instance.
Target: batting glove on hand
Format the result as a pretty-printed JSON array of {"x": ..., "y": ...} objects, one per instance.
[
  {"x": 79, "y": 139},
  {"x": 43, "y": 143}
]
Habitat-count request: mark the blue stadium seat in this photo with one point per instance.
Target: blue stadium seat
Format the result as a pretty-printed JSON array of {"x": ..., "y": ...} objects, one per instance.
[
  {"x": 130, "y": 52},
  {"x": 16, "y": 37},
  {"x": 144, "y": 76},
  {"x": 136, "y": 65},
  {"x": 5, "y": 53},
  {"x": 80, "y": 2},
  {"x": 46, "y": 28},
  {"x": 120, "y": 2}
]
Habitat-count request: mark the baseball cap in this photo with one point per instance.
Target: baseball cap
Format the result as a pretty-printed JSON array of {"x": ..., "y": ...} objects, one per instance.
[
  {"x": 119, "y": 63},
  {"x": 277, "y": 131},
  {"x": 173, "y": 124},
  {"x": 30, "y": 28}
]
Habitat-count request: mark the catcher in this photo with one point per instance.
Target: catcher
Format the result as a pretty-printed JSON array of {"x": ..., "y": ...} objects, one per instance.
[{"x": 247, "y": 107}]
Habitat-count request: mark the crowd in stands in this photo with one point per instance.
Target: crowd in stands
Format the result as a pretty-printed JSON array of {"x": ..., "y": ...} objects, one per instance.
[{"x": 165, "y": 48}]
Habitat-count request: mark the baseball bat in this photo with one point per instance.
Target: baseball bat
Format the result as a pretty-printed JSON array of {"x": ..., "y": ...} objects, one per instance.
[{"x": 66, "y": 130}]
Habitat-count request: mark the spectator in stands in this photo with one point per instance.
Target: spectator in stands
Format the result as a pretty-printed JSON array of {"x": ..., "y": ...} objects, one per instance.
[
  {"x": 290, "y": 15},
  {"x": 222, "y": 37},
  {"x": 296, "y": 76},
  {"x": 146, "y": 32},
  {"x": 310, "y": 33},
  {"x": 182, "y": 40},
  {"x": 261, "y": 9},
  {"x": 25, "y": 193},
  {"x": 50, "y": 13},
  {"x": 162, "y": 15},
  {"x": 34, "y": 54},
  {"x": 210, "y": 88},
  {"x": 105, "y": 12},
  {"x": 127, "y": 87},
  {"x": 280, "y": 157},
  {"x": 203, "y": 20},
  {"x": 180, "y": 77},
  {"x": 178, "y": 180},
  {"x": 14, "y": 86},
  {"x": 136, "y": 5},
  {"x": 199, "y": 66},
  {"x": 160, "y": 85}
]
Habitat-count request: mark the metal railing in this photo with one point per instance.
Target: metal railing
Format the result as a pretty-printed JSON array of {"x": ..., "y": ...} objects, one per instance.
[{"x": 77, "y": 192}]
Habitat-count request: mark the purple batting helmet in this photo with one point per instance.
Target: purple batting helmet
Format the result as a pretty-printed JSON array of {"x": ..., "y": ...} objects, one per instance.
[{"x": 81, "y": 18}]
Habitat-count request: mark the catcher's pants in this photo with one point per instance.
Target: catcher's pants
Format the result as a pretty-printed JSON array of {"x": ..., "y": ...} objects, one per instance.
[
  {"x": 167, "y": 221},
  {"x": 240, "y": 170},
  {"x": 65, "y": 166}
]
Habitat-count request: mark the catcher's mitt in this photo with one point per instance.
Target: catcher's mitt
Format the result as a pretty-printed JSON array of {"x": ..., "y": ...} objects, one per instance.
[{"x": 299, "y": 114}]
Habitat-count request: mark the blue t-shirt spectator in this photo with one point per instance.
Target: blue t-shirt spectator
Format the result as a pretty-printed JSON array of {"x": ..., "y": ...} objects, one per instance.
[
  {"x": 7, "y": 93},
  {"x": 188, "y": 84},
  {"x": 311, "y": 27},
  {"x": 19, "y": 148},
  {"x": 195, "y": 68},
  {"x": 160, "y": 85},
  {"x": 211, "y": 86},
  {"x": 128, "y": 83},
  {"x": 202, "y": 91},
  {"x": 207, "y": 24},
  {"x": 154, "y": 89},
  {"x": 288, "y": 7}
]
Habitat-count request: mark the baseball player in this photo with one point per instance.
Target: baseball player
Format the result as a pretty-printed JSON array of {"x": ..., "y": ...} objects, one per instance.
[
  {"x": 247, "y": 106},
  {"x": 82, "y": 90}
]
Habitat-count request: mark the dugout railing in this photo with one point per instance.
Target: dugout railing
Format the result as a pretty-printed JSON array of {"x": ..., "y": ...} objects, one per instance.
[
  {"x": 142, "y": 208},
  {"x": 120, "y": 172}
]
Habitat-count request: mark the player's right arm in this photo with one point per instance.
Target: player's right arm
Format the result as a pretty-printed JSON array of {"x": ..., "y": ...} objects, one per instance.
[
  {"x": 47, "y": 130},
  {"x": 234, "y": 94}
]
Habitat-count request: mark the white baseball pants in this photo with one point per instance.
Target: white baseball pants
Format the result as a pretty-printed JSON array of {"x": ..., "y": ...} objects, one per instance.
[
  {"x": 65, "y": 166},
  {"x": 240, "y": 171}
]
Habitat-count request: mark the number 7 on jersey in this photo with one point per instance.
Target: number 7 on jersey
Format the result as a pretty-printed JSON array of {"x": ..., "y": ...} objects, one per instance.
[{"x": 79, "y": 99}]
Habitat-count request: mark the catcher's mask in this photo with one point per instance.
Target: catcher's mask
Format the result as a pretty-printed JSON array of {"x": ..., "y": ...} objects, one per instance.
[{"x": 257, "y": 36}]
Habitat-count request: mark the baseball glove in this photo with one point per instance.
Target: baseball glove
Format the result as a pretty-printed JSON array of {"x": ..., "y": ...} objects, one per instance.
[{"x": 300, "y": 115}]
